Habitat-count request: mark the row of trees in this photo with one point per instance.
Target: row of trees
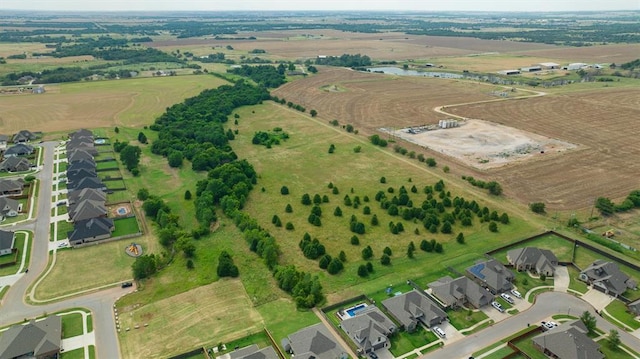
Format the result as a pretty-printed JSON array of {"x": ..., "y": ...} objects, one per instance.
[
  {"x": 265, "y": 75},
  {"x": 607, "y": 207},
  {"x": 345, "y": 60},
  {"x": 493, "y": 187}
]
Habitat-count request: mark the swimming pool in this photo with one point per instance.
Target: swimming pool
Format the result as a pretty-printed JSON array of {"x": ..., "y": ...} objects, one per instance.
[
  {"x": 355, "y": 309},
  {"x": 121, "y": 211}
]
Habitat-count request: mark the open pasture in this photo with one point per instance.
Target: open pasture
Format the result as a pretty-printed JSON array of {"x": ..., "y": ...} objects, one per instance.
[
  {"x": 132, "y": 102},
  {"x": 614, "y": 53},
  {"x": 602, "y": 123},
  {"x": 220, "y": 311},
  {"x": 372, "y": 101}
]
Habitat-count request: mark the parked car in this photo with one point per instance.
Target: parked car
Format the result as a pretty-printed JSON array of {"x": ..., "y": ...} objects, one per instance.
[
  {"x": 548, "y": 325},
  {"x": 63, "y": 245},
  {"x": 439, "y": 331},
  {"x": 373, "y": 355},
  {"x": 498, "y": 306},
  {"x": 516, "y": 294},
  {"x": 507, "y": 298},
  {"x": 127, "y": 284},
  {"x": 61, "y": 203}
]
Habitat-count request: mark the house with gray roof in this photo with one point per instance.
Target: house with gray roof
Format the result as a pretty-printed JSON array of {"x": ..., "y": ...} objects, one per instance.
[
  {"x": 87, "y": 182},
  {"x": 607, "y": 277},
  {"x": 460, "y": 292},
  {"x": 90, "y": 230},
  {"x": 39, "y": 340},
  {"x": 254, "y": 352},
  {"x": 20, "y": 149},
  {"x": 77, "y": 175},
  {"x": 87, "y": 209},
  {"x": 82, "y": 144},
  {"x": 634, "y": 307},
  {"x": 568, "y": 341},
  {"x": 3, "y": 142},
  {"x": 413, "y": 308},
  {"x": 7, "y": 242},
  {"x": 24, "y": 136},
  {"x": 74, "y": 197},
  {"x": 11, "y": 187},
  {"x": 78, "y": 155},
  {"x": 9, "y": 208},
  {"x": 493, "y": 275},
  {"x": 314, "y": 342},
  {"x": 15, "y": 164},
  {"x": 540, "y": 261},
  {"x": 369, "y": 329},
  {"x": 83, "y": 132},
  {"x": 82, "y": 165}
]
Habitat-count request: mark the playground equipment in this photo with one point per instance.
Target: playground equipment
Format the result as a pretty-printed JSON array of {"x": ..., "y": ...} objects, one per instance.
[
  {"x": 609, "y": 234},
  {"x": 134, "y": 250}
]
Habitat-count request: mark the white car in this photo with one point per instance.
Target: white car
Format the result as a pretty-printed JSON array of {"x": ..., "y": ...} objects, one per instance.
[
  {"x": 507, "y": 298},
  {"x": 439, "y": 331},
  {"x": 516, "y": 294},
  {"x": 498, "y": 306}
]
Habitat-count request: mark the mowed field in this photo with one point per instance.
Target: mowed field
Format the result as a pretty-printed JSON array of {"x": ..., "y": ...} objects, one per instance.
[
  {"x": 603, "y": 123},
  {"x": 371, "y": 101},
  {"x": 219, "y": 311},
  {"x": 130, "y": 102}
]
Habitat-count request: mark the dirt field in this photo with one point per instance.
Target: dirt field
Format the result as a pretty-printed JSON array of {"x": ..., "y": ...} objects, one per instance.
[
  {"x": 484, "y": 145},
  {"x": 616, "y": 53},
  {"x": 373, "y": 101},
  {"x": 384, "y": 46},
  {"x": 188, "y": 320},
  {"x": 134, "y": 102},
  {"x": 602, "y": 123}
]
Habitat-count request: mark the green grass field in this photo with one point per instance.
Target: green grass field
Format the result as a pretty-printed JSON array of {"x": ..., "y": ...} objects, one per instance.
[
  {"x": 288, "y": 164},
  {"x": 73, "y": 354},
  {"x": 619, "y": 311},
  {"x": 462, "y": 319},
  {"x": 125, "y": 226},
  {"x": 403, "y": 342},
  {"x": 561, "y": 248},
  {"x": 71, "y": 325}
]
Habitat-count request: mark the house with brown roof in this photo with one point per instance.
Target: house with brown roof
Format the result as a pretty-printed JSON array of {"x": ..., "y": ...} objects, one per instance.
[
  {"x": 38, "y": 340},
  {"x": 540, "y": 261},
  {"x": 568, "y": 341},
  {"x": 369, "y": 329},
  {"x": 607, "y": 277},
  {"x": 413, "y": 308},
  {"x": 460, "y": 292},
  {"x": 314, "y": 342}
]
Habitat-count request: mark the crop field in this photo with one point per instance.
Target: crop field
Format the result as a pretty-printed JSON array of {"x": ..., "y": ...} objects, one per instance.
[
  {"x": 355, "y": 174},
  {"x": 188, "y": 320},
  {"x": 373, "y": 101},
  {"x": 603, "y": 125},
  {"x": 614, "y": 53},
  {"x": 132, "y": 102}
]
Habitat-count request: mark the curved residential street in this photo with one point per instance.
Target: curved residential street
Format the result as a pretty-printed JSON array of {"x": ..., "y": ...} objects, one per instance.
[
  {"x": 546, "y": 305},
  {"x": 14, "y": 309}
]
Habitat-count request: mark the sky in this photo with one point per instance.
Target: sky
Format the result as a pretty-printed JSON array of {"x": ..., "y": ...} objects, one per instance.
[{"x": 267, "y": 5}]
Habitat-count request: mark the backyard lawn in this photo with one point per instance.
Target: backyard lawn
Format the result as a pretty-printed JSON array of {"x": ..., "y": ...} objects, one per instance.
[
  {"x": 403, "y": 342},
  {"x": 462, "y": 319},
  {"x": 125, "y": 226}
]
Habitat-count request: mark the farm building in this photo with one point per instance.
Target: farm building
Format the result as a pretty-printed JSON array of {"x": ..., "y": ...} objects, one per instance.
[
  {"x": 575, "y": 66},
  {"x": 549, "y": 65},
  {"x": 509, "y": 72},
  {"x": 531, "y": 69}
]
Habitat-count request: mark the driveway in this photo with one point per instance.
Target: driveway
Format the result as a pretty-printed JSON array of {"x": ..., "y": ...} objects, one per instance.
[
  {"x": 561, "y": 279},
  {"x": 598, "y": 299}
]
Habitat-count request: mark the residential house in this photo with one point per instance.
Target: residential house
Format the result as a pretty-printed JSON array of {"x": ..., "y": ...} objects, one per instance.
[
  {"x": 7, "y": 242},
  {"x": 607, "y": 277},
  {"x": 254, "y": 352},
  {"x": 87, "y": 182},
  {"x": 20, "y": 149},
  {"x": 9, "y": 208},
  {"x": 314, "y": 342},
  {"x": 38, "y": 340},
  {"x": 82, "y": 164},
  {"x": 459, "y": 292},
  {"x": 568, "y": 341},
  {"x": 83, "y": 132},
  {"x": 90, "y": 230},
  {"x": 634, "y": 307},
  {"x": 92, "y": 194},
  {"x": 493, "y": 275},
  {"x": 369, "y": 329},
  {"x": 541, "y": 261},
  {"x": 79, "y": 155},
  {"x": 87, "y": 209},
  {"x": 24, "y": 136},
  {"x": 82, "y": 145},
  {"x": 11, "y": 187},
  {"x": 3, "y": 142},
  {"x": 413, "y": 308},
  {"x": 15, "y": 164},
  {"x": 77, "y": 175}
]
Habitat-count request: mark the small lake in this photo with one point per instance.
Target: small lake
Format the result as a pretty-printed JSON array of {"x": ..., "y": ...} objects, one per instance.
[{"x": 398, "y": 71}]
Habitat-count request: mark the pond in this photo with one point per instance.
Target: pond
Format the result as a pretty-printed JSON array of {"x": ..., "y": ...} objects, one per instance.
[{"x": 398, "y": 71}]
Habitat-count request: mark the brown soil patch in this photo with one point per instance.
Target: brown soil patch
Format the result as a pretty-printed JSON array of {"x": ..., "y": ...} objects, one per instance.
[
  {"x": 604, "y": 125},
  {"x": 616, "y": 53}
]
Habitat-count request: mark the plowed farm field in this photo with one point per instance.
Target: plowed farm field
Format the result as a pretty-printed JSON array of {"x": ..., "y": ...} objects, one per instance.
[
  {"x": 605, "y": 126},
  {"x": 372, "y": 101}
]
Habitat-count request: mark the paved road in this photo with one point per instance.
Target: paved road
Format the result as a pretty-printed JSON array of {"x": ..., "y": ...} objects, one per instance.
[
  {"x": 14, "y": 309},
  {"x": 547, "y": 304}
]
